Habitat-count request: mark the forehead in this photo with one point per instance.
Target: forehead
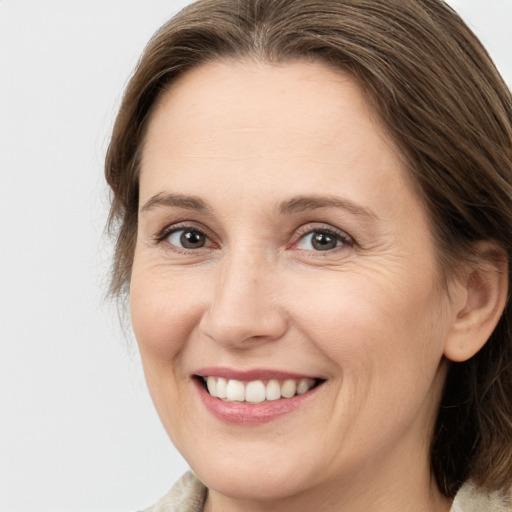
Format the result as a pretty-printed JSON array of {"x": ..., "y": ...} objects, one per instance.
[
  {"x": 251, "y": 86},
  {"x": 242, "y": 120}
]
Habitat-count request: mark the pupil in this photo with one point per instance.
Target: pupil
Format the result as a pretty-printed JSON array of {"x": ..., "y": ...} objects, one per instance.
[
  {"x": 323, "y": 242},
  {"x": 192, "y": 239}
]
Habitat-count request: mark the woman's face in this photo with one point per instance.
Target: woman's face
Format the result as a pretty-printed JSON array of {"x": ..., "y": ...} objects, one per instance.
[{"x": 280, "y": 240}]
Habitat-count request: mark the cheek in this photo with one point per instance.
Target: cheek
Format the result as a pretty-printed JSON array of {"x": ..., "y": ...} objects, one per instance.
[
  {"x": 163, "y": 317},
  {"x": 387, "y": 344},
  {"x": 383, "y": 327},
  {"x": 163, "y": 320}
]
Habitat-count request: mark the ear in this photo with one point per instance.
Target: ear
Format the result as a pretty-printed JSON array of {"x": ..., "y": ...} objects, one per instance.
[{"x": 481, "y": 298}]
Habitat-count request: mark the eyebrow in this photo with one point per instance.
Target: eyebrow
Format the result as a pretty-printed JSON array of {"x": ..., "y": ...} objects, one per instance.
[
  {"x": 175, "y": 200},
  {"x": 297, "y": 204},
  {"x": 304, "y": 203}
]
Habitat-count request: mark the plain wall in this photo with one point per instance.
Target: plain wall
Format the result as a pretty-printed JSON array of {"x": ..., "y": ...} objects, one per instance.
[{"x": 77, "y": 428}]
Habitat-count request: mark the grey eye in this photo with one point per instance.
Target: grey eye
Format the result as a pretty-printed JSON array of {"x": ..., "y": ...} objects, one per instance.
[
  {"x": 188, "y": 239},
  {"x": 319, "y": 241}
]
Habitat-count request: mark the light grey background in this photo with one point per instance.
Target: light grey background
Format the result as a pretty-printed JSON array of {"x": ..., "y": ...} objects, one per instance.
[{"x": 77, "y": 428}]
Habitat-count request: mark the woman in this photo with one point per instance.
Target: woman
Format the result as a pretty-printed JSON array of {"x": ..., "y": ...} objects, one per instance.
[{"x": 314, "y": 210}]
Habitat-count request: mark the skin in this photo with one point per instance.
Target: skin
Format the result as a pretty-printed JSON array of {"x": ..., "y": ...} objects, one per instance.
[{"x": 370, "y": 316}]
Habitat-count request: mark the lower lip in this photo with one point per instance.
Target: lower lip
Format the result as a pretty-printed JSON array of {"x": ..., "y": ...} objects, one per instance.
[{"x": 244, "y": 413}]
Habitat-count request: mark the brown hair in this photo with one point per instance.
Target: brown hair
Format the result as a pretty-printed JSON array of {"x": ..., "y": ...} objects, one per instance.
[{"x": 449, "y": 111}]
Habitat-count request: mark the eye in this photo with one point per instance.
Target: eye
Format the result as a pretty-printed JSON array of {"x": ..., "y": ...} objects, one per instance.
[
  {"x": 188, "y": 238},
  {"x": 323, "y": 240}
]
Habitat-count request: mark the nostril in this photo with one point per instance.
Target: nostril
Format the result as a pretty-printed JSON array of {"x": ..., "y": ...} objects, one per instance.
[{"x": 243, "y": 328}]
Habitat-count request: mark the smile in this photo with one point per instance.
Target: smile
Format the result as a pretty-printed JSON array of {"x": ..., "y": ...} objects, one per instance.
[
  {"x": 256, "y": 391},
  {"x": 253, "y": 397}
]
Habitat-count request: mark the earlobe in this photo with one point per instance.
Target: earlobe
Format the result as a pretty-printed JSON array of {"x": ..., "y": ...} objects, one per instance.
[{"x": 485, "y": 290}]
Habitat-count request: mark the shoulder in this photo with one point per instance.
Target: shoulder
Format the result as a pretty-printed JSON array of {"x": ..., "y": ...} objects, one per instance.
[
  {"x": 471, "y": 499},
  {"x": 187, "y": 495}
]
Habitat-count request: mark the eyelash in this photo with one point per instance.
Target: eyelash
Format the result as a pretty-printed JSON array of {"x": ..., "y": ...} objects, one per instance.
[{"x": 343, "y": 238}]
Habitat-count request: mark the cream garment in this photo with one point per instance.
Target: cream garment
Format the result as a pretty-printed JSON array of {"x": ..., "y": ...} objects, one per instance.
[
  {"x": 188, "y": 495},
  {"x": 469, "y": 499}
]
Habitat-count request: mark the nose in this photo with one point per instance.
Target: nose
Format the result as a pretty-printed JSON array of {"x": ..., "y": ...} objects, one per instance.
[{"x": 245, "y": 309}]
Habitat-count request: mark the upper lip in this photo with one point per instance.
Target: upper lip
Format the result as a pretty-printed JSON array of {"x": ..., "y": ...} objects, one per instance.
[{"x": 249, "y": 375}]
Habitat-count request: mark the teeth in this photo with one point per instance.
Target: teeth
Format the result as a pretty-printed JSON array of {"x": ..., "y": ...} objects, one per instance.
[
  {"x": 235, "y": 391},
  {"x": 273, "y": 391},
  {"x": 221, "y": 390},
  {"x": 211, "y": 385},
  {"x": 303, "y": 386},
  {"x": 256, "y": 391},
  {"x": 288, "y": 388}
]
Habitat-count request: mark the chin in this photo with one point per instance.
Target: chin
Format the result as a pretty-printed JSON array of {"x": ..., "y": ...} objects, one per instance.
[{"x": 246, "y": 479}]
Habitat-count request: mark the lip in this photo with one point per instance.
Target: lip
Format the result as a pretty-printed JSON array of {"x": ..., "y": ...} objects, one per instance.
[
  {"x": 248, "y": 375},
  {"x": 243, "y": 413}
]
